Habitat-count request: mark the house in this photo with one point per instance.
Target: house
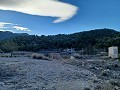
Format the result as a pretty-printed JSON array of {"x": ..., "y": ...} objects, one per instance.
[{"x": 113, "y": 52}]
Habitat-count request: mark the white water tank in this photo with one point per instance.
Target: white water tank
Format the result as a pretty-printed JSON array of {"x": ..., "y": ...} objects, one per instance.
[{"x": 113, "y": 52}]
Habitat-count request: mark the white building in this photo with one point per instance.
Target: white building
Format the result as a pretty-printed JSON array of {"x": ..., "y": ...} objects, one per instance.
[{"x": 113, "y": 52}]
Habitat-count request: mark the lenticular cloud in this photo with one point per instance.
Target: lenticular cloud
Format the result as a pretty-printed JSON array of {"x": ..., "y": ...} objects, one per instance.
[{"x": 53, "y": 8}]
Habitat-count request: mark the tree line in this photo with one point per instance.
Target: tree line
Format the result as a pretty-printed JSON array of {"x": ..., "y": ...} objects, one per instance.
[{"x": 99, "y": 38}]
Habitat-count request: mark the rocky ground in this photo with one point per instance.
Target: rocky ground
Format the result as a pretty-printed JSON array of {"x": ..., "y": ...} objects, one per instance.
[{"x": 79, "y": 74}]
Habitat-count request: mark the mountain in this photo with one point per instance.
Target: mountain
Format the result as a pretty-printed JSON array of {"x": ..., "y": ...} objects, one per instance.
[
  {"x": 99, "y": 38},
  {"x": 8, "y": 34},
  {"x": 98, "y": 33}
]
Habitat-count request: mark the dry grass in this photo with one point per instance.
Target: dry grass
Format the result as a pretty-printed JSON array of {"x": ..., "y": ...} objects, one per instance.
[
  {"x": 56, "y": 56},
  {"x": 68, "y": 59},
  {"x": 77, "y": 56},
  {"x": 65, "y": 56},
  {"x": 39, "y": 56}
]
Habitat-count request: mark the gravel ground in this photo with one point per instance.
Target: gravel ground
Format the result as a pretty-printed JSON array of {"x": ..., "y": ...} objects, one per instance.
[{"x": 32, "y": 74}]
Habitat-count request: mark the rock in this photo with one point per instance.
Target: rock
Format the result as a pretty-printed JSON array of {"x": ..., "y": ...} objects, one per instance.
[{"x": 105, "y": 72}]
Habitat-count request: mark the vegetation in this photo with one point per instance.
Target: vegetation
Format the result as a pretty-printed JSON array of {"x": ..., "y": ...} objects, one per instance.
[
  {"x": 55, "y": 56},
  {"x": 9, "y": 46},
  {"x": 89, "y": 40},
  {"x": 39, "y": 56},
  {"x": 7, "y": 35}
]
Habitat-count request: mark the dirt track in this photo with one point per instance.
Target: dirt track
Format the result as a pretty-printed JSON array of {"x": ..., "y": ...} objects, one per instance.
[{"x": 32, "y": 74}]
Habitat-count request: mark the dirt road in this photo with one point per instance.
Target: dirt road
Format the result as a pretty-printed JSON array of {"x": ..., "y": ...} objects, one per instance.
[{"x": 31, "y": 74}]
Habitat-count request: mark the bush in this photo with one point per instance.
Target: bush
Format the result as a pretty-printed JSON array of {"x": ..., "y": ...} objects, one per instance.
[
  {"x": 39, "y": 56},
  {"x": 66, "y": 57},
  {"x": 33, "y": 55},
  {"x": 76, "y": 55},
  {"x": 55, "y": 56}
]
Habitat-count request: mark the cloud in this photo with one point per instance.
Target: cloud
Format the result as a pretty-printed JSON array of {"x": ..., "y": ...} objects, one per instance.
[
  {"x": 6, "y": 30},
  {"x": 4, "y": 26},
  {"x": 21, "y": 28},
  {"x": 53, "y": 8}
]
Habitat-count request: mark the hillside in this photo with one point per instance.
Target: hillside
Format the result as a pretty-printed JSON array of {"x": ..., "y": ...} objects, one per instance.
[
  {"x": 98, "y": 33},
  {"x": 99, "y": 38},
  {"x": 7, "y": 35}
]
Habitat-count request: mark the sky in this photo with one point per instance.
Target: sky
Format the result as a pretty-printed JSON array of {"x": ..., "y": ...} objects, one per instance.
[{"x": 51, "y": 17}]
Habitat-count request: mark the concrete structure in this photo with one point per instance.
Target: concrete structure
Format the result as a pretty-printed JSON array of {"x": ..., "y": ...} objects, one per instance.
[{"x": 113, "y": 52}]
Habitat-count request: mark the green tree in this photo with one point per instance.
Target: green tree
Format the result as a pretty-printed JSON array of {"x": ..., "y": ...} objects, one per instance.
[{"x": 9, "y": 46}]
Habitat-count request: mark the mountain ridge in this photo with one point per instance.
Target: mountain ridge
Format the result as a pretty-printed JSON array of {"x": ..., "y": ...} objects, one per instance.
[
  {"x": 8, "y": 34},
  {"x": 99, "y": 38}
]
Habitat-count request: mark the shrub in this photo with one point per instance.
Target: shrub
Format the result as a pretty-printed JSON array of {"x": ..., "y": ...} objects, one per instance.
[
  {"x": 66, "y": 57},
  {"x": 77, "y": 56},
  {"x": 55, "y": 56},
  {"x": 39, "y": 56},
  {"x": 33, "y": 55}
]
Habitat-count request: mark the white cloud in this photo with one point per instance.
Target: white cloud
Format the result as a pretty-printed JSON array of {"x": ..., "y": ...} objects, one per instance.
[
  {"x": 4, "y": 26},
  {"x": 53, "y": 8},
  {"x": 21, "y": 28},
  {"x": 6, "y": 30}
]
